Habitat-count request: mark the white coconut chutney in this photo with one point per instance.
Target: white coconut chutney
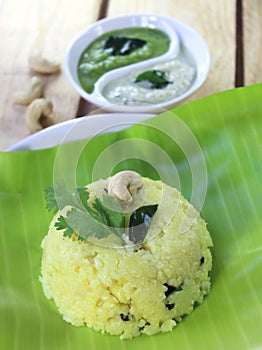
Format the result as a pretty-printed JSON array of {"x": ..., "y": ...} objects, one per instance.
[{"x": 180, "y": 72}]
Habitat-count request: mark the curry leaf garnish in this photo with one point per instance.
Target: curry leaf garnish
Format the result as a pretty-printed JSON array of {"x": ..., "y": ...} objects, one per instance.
[
  {"x": 153, "y": 79},
  {"x": 122, "y": 46},
  {"x": 140, "y": 221}
]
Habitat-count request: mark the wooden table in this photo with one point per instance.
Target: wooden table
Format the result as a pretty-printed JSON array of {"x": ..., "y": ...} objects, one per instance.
[{"x": 232, "y": 29}]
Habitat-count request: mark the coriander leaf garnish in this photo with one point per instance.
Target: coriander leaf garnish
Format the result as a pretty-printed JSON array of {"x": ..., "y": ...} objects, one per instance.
[
  {"x": 51, "y": 203},
  {"x": 85, "y": 225},
  {"x": 99, "y": 219},
  {"x": 81, "y": 197},
  {"x": 140, "y": 221},
  {"x": 59, "y": 197},
  {"x": 122, "y": 46},
  {"x": 112, "y": 211},
  {"x": 153, "y": 79},
  {"x": 62, "y": 224}
]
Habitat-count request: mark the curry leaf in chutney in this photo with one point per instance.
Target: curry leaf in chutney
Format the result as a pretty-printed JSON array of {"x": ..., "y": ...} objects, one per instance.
[
  {"x": 153, "y": 79},
  {"x": 122, "y": 46}
]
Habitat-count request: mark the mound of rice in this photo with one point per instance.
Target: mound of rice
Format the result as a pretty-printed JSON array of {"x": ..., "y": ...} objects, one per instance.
[{"x": 127, "y": 292}]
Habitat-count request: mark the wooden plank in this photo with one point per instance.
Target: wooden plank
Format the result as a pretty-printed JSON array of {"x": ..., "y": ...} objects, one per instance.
[
  {"x": 252, "y": 15},
  {"x": 49, "y": 26},
  {"x": 214, "y": 20}
]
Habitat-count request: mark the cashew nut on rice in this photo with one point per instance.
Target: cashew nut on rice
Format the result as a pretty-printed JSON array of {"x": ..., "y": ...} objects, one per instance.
[
  {"x": 40, "y": 64},
  {"x": 126, "y": 187},
  {"x": 34, "y": 90},
  {"x": 40, "y": 107}
]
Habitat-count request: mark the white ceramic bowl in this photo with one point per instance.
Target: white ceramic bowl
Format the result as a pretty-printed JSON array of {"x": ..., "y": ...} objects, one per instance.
[
  {"x": 180, "y": 34},
  {"x": 78, "y": 129}
]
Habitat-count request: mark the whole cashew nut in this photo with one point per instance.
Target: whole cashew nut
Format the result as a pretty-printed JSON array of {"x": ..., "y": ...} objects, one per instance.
[
  {"x": 40, "y": 64},
  {"x": 126, "y": 187},
  {"x": 34, "y": 90},
  {"x": 37, "y": 109}
]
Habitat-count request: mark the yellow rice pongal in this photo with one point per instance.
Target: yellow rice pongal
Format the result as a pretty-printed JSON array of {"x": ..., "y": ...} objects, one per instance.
[{"x": 129, "y": 290}]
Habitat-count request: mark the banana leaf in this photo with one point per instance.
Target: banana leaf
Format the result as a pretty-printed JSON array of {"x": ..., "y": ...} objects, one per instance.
[{"x": 222, "y": 178}]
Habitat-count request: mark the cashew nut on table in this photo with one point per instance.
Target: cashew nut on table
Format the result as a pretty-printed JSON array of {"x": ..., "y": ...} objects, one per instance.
[
  {"x": 34, "y": 90},
  {"x": 39, "y": 108},
  {"x": 127, "y": 188},
  {"x": 42, "y": 65}
]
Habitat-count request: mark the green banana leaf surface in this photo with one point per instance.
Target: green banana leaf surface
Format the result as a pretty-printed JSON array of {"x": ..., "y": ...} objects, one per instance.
[{"x": 224, "y": 173}]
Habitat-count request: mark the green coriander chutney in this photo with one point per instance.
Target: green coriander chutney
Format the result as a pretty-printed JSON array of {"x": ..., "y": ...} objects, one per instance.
[{"x": 100, "y": 56}]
